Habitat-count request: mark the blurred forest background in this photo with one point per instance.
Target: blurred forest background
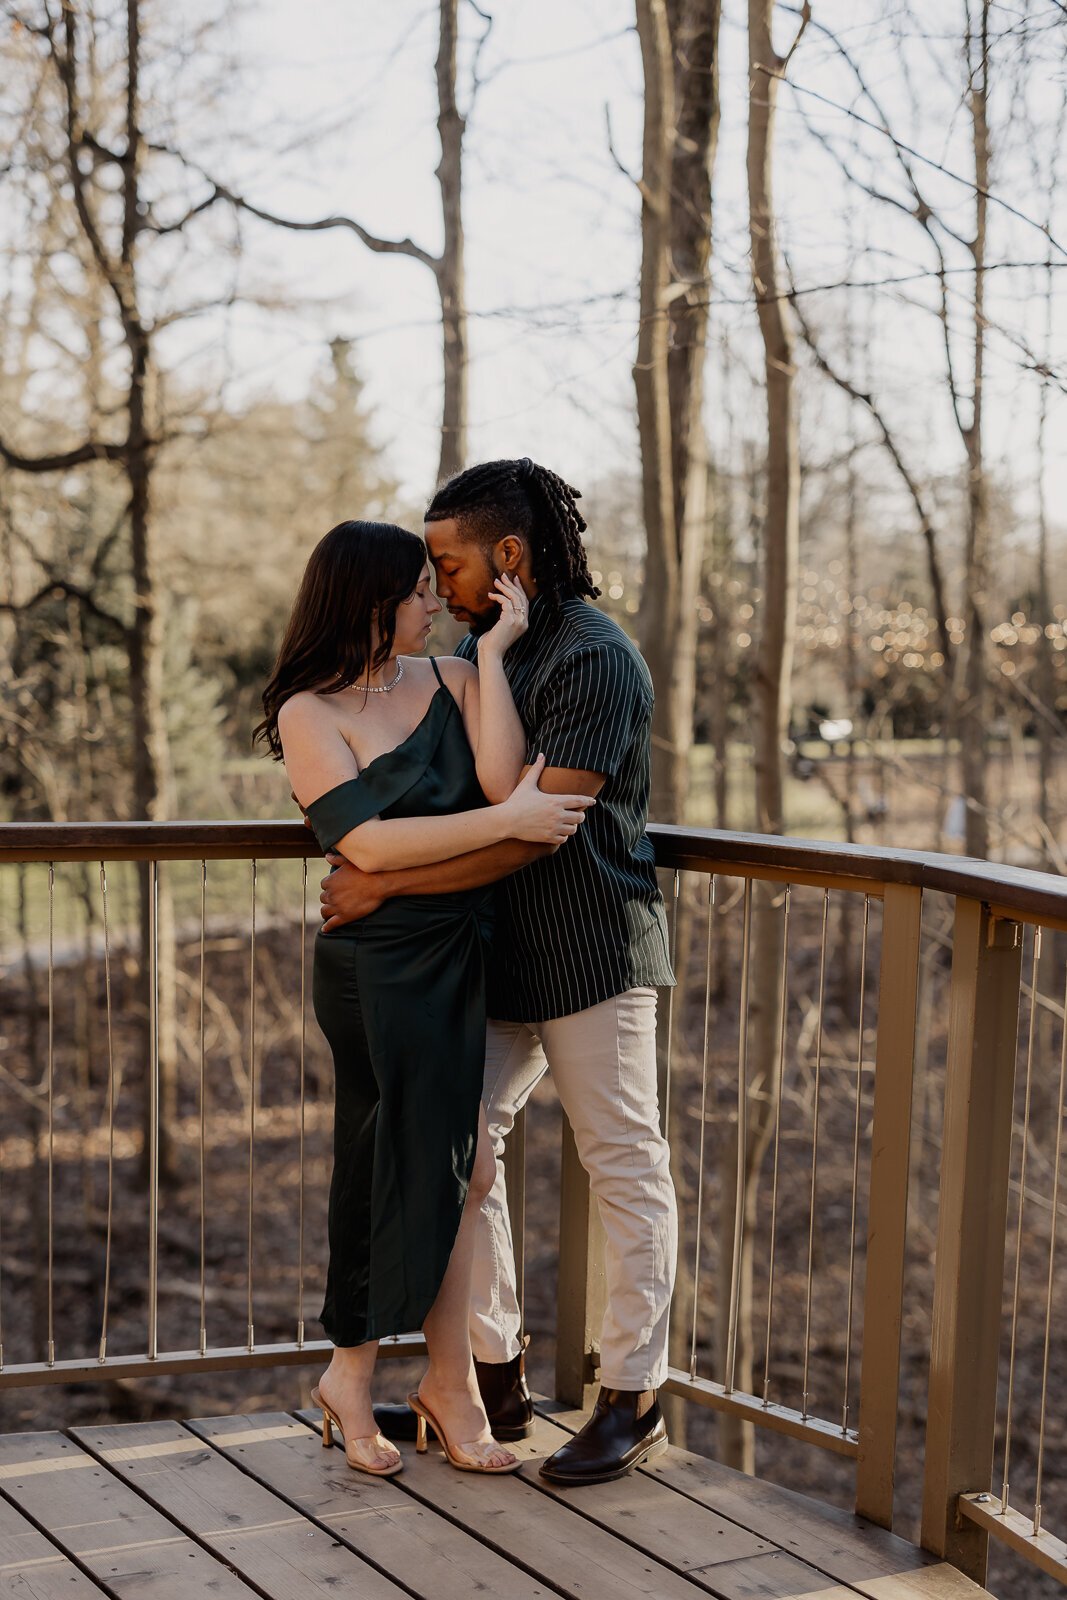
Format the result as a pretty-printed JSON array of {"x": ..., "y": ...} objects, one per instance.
[
  {"x": 826, "y": 499},
  {"x": 780, "y": 289}
]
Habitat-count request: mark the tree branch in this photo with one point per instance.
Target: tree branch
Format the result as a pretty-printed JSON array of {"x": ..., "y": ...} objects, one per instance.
[
  {"x": 933, "y": 561},
  {"x": 638, "y": 183},
  {"x": 74, "y": 592},
  {"x": 397, "y": 247},
  {"x": 908, "y": 149},
  {"x": 91, "y": 450},
  {"x": 805, "y": 18},
  {"x": 162, "y": 228}
]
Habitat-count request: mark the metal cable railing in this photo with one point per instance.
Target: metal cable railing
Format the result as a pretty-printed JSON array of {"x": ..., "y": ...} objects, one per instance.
[{"x": 812, "y": 988}]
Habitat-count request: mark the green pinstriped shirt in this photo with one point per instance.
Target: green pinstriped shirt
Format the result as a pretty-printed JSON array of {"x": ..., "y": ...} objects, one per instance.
[{"x": 587, "y": 923}]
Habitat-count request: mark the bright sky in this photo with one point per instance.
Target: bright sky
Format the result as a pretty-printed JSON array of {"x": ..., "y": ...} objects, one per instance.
[{"x": 344, "y": 93}]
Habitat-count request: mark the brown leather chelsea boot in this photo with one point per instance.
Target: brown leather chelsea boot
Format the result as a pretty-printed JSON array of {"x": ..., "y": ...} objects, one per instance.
[
  {"x": 613, "y": 1442},
  {"x": 505, "y": 1397}
]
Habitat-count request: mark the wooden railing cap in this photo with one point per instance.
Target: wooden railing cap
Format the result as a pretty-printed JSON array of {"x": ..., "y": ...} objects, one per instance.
[{"x": 1040, "y": 895}]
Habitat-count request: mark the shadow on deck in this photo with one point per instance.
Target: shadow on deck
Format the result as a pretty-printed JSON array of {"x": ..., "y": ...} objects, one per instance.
[{"x": 242, "y": 1505}]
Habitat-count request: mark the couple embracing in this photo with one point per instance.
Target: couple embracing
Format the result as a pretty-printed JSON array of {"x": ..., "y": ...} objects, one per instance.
[{"x": 493, "y": 913}]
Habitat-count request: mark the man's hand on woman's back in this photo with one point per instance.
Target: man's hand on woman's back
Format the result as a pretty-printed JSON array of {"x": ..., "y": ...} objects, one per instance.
[{"x": 348, "y": 893}]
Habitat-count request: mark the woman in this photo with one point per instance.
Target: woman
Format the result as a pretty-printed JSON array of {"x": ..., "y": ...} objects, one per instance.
[{"x": 399, "y": 762}]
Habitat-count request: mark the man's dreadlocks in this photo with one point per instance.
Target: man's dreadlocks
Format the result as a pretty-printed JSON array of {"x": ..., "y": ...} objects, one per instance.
[{"x": 496, "y": 498}]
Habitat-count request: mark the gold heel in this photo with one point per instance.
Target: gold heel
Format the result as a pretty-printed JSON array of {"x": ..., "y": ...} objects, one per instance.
[
  {"x": 471, "y": 1459},
  {"x": 353, "y": 1454},
  {"x": 328, "y": 1419}
]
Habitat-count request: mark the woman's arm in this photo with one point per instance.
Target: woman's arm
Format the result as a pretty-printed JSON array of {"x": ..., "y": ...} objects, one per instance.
[
  {"x": 318, "y": 759},
  {"x": 494, "y": 728}
]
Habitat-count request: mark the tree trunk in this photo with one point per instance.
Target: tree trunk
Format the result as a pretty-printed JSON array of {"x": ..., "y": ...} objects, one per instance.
[
  {"x": 781, "y": 522},
  {"x": 1045, "y": 677},
  {"x": 973, "y": 718},
  {"x": 773, "y": 703},
  {"x": 679, "y": 51},
  {"x": 152, "y": 782},
  {"x": 718, "y": 707},
  {"x": 451, "y": 283}
]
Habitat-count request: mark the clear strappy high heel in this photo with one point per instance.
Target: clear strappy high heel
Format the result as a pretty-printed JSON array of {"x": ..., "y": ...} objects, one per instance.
[
  {"x": 471, "y": 1457},
  {"x": 353, "y": 1455}
]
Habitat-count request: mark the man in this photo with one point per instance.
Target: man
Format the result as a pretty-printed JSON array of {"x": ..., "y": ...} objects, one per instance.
[{"x": 579, "y": 948}]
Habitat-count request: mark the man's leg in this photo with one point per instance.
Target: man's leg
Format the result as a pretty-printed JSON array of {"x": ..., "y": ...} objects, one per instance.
[{"x": 603, "y": 1064}]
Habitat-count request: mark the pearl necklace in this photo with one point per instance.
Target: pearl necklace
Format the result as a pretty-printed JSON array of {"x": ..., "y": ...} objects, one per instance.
[{"x": 384, "y": 688}]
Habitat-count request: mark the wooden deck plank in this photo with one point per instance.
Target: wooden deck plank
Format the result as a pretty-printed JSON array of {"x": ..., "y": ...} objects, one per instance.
[
  {"x": 565, "y": 1552},
  {"x": 879, "y": 1564},
  {"x": 373, "y": 1516},
  {"x": 778, "y": 1577},
  {"x": 275, "y": 1548},
  {"x": 32, "y": 1568},
  {"x": 694, "y": 1540},
  {"x": 93, "y": 1516}
]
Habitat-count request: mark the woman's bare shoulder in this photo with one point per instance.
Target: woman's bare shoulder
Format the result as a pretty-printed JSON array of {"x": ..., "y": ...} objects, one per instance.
[
  {"x": 456, "y": 672},
  {"x": 305, "y": 709}
]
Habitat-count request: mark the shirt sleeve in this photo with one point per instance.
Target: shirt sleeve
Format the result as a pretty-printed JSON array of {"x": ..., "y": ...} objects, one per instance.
[{"x": 588, "y": 714}]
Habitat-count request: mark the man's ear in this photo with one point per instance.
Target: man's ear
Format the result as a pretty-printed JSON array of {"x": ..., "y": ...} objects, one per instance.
[{"x": 508, "y": 554}]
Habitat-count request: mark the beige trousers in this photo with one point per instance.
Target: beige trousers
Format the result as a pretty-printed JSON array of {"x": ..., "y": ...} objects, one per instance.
[{"x": 603, "y": 1065}]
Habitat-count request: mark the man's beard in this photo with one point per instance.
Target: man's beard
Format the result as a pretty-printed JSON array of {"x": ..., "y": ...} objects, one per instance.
[{"x": 482, "y": 621}]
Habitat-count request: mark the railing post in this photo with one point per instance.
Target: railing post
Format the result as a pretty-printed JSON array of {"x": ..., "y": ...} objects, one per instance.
[
  {"x": 972, "y": 1216},
  {"x": 580, "y": 1306},
  {"x": 887, "y": 1218},
  {"x": 515, "y": 1183}
]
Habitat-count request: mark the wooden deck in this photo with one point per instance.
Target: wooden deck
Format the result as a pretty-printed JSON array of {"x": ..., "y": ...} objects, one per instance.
[{"x": 233, "y": 1507}]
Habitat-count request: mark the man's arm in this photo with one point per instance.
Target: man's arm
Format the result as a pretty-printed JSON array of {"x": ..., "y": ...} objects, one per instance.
[{"x": 349, "y": 894}]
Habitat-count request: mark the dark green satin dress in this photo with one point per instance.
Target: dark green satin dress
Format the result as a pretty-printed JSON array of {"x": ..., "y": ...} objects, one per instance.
[{"x": 400, "y": 996}]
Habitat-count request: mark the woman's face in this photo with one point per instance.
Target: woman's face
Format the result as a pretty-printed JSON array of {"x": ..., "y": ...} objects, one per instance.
[{"x": 414, "y": 617}]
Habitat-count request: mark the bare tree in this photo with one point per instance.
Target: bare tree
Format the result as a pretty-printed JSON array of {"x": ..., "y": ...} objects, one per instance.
[
  {"x": 780, "y": 551},
  {"x": 679, "y": 52},
  {"x": 84, "y": 138},
  {"x": 924, "y": 516},
  {"x": 448, "y": 267},
  {"x": 971, "y": 688},
  {"x": 974, "y": 698}
]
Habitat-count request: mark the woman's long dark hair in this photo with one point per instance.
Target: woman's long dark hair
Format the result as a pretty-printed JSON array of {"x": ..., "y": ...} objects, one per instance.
[{"x": 354, "y": 580}]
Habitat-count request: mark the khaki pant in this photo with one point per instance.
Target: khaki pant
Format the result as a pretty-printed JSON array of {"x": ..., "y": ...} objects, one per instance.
[{"x": 603, "y": 1065}]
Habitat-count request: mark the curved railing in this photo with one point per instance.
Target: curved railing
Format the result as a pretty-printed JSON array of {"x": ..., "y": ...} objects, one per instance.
[{"x": 820, "y": 983}]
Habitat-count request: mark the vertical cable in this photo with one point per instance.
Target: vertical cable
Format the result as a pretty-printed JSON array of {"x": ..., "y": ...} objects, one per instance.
[
  {"x": 1035, "y": 958},
  {"x": 203, "y": 1110},
  {"x": 855, "y": 1165},
  {"x": 110, "y": 1113},
  {"x": 666, "y": 1118},
  {"x": 303, "y": 1091},
  {"x": 153, "y": 1111},
  {"x": 1051, "y": 1263},
  {"x": 1, "y": 1255},
  {"x": 814, "y": 1150},
  {"x": 519, "y": 1132},
  {"x": 51, "y": 1110},
  {"x": 251, "y": 1101},
  {"x": 703, "y": 1128},
  {"x": 742, "y": 1144},
  {"x": 783, "y": 1004}
]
